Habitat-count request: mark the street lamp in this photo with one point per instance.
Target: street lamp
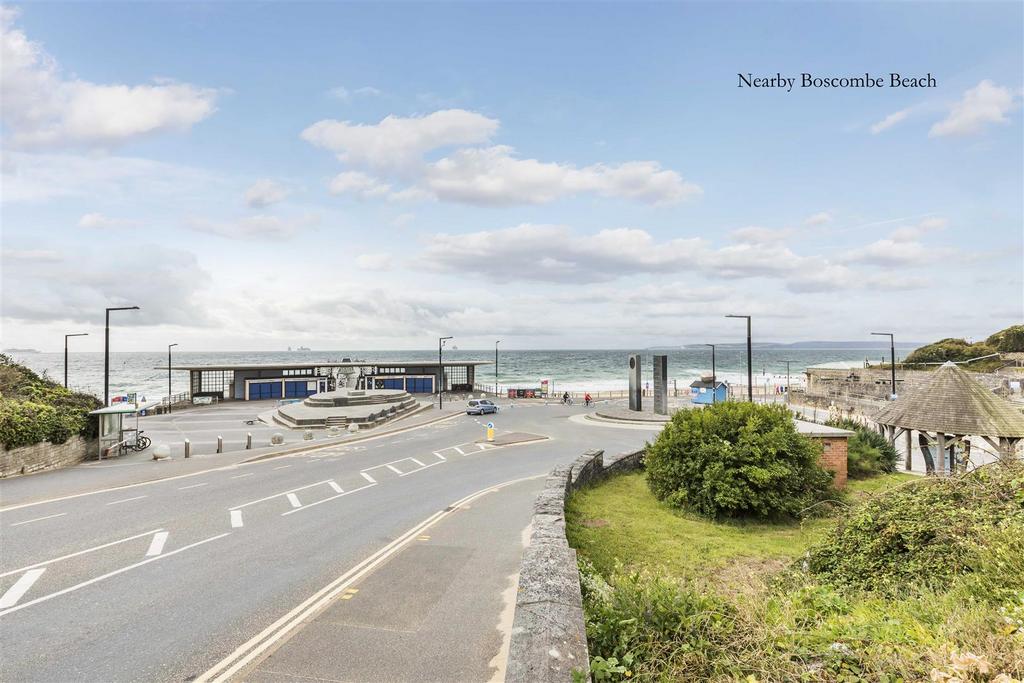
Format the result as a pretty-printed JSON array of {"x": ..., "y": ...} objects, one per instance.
[
  {"x": 714, "y": 380},
  {"x": 496, "y": 366},
  {"x": 169, "y": 377},
  {"x": 892, "y": 358},
  {"x": 750, "y": 372},
  {"x": 106, "y": 352},
  {"x": 77, "y": 334},
  {"x": 440, "y": 372}
]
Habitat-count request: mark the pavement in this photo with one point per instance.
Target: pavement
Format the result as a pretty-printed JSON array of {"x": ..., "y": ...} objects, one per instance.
[{"x": 243, "y": 569}]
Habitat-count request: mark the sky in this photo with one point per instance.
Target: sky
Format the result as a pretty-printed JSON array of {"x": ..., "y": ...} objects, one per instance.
[{"x": 261, "y": 175}]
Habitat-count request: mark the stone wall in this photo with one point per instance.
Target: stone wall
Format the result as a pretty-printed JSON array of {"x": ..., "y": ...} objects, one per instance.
[
  {"x": 549, "y": 634},
  {"x": 44, "y": 456},
  {"x": 873, "y": 384}
]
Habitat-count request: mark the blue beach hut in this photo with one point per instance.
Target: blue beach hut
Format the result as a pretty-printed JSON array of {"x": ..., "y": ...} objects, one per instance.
[{"x": 703, "y": 391}]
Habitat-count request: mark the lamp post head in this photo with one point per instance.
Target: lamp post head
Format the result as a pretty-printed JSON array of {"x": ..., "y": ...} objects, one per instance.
[
  {"x": 738, "y": 316},
  {"x": 170, "y": 345}
]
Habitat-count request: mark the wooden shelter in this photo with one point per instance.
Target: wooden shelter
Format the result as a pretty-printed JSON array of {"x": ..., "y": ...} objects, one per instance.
[{"x": 946, "y": 409}]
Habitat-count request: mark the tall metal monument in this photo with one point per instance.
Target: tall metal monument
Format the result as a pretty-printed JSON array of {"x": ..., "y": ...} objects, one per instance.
[
  {"x": 635, "y": 402},
  {"x": 661, "y": 385}
]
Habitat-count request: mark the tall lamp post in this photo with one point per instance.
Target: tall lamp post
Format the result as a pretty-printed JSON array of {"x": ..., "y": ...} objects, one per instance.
[
  {"x": 77, "y": 334},
  {"x": 496, "y": 367},
  {"x": 106, "y": 352},
  {"x": 714, "y": 378},
  {"x": 440, "y": 372},
  {"x": 169, "y": 377},
  {"x": 750, "y": 370},
  {"x": 892, "y": 359}
]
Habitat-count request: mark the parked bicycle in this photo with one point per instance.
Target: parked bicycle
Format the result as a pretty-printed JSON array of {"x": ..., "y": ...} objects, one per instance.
[{"x": 142, "y": 442}]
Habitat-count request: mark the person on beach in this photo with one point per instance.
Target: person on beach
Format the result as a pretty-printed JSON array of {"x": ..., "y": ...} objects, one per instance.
[
  {"x": 587, "y": 400},
  {"x": 565, "y": 398}
]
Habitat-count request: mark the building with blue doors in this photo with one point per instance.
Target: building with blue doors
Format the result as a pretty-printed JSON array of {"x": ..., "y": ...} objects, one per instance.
[
  {"x": 265, "y": 381},
  {"x": 703, "y": 391}
]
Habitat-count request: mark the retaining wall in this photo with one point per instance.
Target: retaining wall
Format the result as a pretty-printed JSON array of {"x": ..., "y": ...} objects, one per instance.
[
  {"x": 549, "y": 633},
  {"x": 44, "y": 456}
]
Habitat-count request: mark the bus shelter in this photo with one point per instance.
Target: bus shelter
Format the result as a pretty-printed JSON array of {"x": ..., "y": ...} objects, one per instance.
[{"x": 114, "y": 429}]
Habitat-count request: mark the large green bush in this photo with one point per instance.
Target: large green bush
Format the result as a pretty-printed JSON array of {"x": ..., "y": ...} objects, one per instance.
[
  {"x": 949, "y": 349},
  {"x": 736, "y": 460},
  {"x": 925, "y": 532},
  {"x": 1009, "y": 340},
  {"x": 34, "y": 408}
]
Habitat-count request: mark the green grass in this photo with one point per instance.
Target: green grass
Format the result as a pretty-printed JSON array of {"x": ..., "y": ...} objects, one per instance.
[{"x": 621, "y": 520}]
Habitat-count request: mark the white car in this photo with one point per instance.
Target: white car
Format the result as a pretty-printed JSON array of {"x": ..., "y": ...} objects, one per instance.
[{"x": 480, "y": 407}]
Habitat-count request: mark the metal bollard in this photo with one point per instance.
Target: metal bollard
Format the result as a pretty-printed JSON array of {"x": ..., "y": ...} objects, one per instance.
[
  {"x": 188, "y": 448},
  {"x": 220, "y": 444},
  {"x": 248, "y": 440}
]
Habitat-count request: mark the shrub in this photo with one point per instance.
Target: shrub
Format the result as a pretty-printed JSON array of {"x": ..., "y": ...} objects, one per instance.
[
  {"x": 34, "y": 408},
  {"x": 736, "y": 460},
  {"x": 868, "y": 452},
  {"x": 949, "y": 349},
  {"x": 1009, "y": 340},
  {"x": 926, "y": 533}
]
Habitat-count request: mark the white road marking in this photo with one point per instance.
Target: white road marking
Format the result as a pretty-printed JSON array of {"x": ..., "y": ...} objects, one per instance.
[
  {"x": 394, "y": 469},
  {"x": 368, "y": 478},
  {"x": 459, "y": 450},
  {"x": 125, "y": 500},
  {"x": 481, "y": 446},
  {"x": 193, "y": 486},
  {"x": 236, "y": 519},
  {"x": 294, "y": 500},
  {"x": 80, "y": 552},
  {"x": 277, "y": 495},
  {"x": 422, "y": 468},
  {"x": 20, "y": 587},
  {"x": 39, "y": 519},
  {"x": 247, "y": 474},
  {"x": 263, "y": 641},
  {"x": 110, "y": 574},
  {"x": 334, "y": 485},
  {"x": 439, "y": 455},
  {"x": 156, "y": 546},
  {"x": 417, "y": 462},
  {"x": 324, "y": 500},
  {"x": 281, "y": 467}
]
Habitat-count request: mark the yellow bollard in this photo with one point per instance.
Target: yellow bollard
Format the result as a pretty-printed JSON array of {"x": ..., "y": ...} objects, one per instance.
[{"x": 490, "y": 431}]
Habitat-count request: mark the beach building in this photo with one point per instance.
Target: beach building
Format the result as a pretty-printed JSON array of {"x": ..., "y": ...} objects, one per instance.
[
  {"x": 704, "y": 392},
  {"x": 261, "y": 381},
  {"x": 834, "y": 447}
]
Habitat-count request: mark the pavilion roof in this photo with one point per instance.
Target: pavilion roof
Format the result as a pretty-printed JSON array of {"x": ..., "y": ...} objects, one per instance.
[{"x": 951, "y": 402}]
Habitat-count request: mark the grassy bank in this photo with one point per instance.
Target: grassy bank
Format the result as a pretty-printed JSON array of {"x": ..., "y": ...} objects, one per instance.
[{"x": 673, "y": 596}]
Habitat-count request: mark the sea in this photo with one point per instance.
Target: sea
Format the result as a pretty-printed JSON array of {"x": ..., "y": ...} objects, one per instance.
[{"x": 145, "y": 373}]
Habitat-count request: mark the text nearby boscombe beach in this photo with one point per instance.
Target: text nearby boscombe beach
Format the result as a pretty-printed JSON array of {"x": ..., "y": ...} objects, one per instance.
[{"x": 806, "y": 80}]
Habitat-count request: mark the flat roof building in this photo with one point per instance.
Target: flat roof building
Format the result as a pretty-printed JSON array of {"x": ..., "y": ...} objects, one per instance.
[{"x": 258, "y": 381}]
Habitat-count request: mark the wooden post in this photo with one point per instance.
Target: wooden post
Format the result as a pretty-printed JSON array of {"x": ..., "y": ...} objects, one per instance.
[
  {"x": 940, "y": 454},
  {"x": 910, "y": 445},
  {"x": 967, "y": 453}
]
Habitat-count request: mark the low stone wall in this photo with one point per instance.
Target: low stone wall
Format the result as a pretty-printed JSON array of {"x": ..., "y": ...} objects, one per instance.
[
  {"x": 549, "y": 633},
  {"x": 44, "y": 456}
]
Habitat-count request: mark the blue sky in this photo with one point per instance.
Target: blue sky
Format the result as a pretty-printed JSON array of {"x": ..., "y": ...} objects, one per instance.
[{"x": 258, "y": 175}]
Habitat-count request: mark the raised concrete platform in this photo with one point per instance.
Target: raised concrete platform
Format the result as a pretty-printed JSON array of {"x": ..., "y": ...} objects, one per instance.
[
  {"x": 619, "y": 410},
  {"x": 364, "y": 408}
]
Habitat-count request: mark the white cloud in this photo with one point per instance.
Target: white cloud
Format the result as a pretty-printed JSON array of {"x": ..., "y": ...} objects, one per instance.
[
  {"x": 758, "y": 235},
  {"x": 982, "y": 104},
  {"x": 265, "y": 192},
  {"x": 493, "y": 176},
  {"x": 98, "y": 221},
  {"x": 398, "y": 143},
  {"x": 395, "y": 150},
  {"x": 358, "y": 185},
  {"x": 44, "y": 108},
  {"x": 32, "y": 255},
  {"x": 254, "y": 227},
  {"x": 345, "y": 95},
  {"x": 76, "y": 289},
  {"x": 911, "y": 233},
  {"x": 374, "y": 261},
  {"x": 890, "y": 121},
  {"x": 820, "y": 218}
]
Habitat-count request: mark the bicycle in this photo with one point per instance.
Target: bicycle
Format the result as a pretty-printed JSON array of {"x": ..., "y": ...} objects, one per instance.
[{"x": 141, "y": 442}]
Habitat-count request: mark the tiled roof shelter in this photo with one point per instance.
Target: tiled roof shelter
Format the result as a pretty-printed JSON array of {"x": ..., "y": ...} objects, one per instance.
[{"x": 946, "y": 409}]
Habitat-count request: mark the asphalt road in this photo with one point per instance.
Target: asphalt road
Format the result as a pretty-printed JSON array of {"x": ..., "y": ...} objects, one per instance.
[{"x": 165, "y": 580}]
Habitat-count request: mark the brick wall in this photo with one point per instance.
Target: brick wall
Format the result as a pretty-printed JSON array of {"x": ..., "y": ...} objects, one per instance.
[
  {"x": 44, "y": 456},
  {"x": 833, "y": 457}
]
